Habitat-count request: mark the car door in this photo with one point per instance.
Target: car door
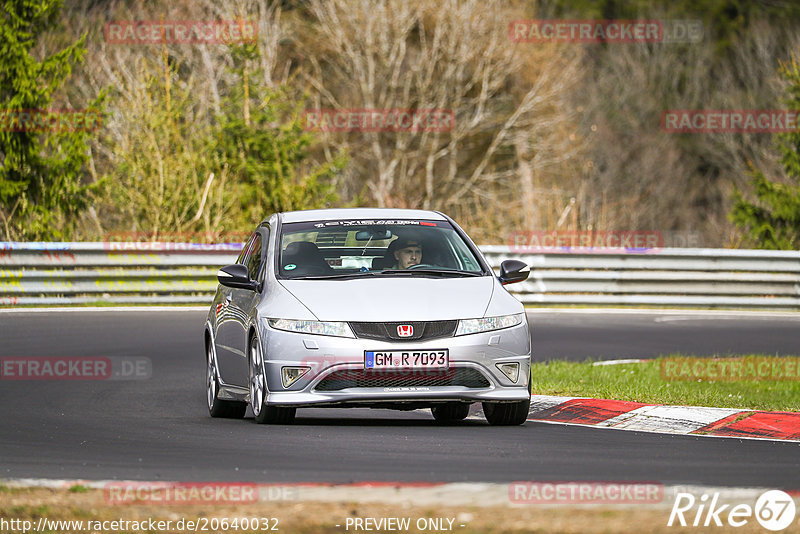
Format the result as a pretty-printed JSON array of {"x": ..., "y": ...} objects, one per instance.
[{"x": 233, "y": 318}]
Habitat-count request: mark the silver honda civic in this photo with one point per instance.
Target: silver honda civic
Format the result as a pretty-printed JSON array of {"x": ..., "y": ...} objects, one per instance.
[{"x": 380, "y": 308}]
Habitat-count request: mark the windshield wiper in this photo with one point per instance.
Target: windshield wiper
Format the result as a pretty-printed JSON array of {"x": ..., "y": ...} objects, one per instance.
[
  {"x": 332, "y": 276},
  {"x": 441, "y": 272},
  {"x": 403, "y": 272}
]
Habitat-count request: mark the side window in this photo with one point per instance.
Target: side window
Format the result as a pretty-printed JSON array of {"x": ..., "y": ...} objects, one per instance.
[
  {"x": 242, "y": 259},
  {"x": 254, "y": 258},
  {"x": 266, "y": 254}
]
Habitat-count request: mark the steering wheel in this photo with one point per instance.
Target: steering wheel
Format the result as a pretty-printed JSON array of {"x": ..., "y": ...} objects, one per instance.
[{"x": 422, "y": 266}]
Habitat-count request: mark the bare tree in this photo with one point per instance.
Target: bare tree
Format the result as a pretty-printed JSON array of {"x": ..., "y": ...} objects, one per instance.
[
  {"x": 453, "y": 55},
  {"x": 646, "y": 178},
  {"x": 169, "y": 184}
]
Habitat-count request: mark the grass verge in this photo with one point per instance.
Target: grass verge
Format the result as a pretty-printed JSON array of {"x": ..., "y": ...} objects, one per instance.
[{"x": 645, "y": 382}]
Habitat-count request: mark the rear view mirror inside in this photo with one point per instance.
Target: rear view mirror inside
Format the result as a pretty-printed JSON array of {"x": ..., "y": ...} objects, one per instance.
[{"x": 377, "y": 234}]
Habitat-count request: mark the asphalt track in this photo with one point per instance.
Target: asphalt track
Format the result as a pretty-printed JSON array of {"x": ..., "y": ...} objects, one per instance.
[
  {"x": 619, "y": 334},
  {"x": 158, "y": 428}
]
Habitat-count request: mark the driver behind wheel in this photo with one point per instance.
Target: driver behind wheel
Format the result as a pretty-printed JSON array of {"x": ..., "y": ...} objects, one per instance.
[{"x": 407, "y": 253}]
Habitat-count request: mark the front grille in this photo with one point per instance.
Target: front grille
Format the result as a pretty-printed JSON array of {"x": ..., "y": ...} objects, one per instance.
[
  {"x": 423, "y": 330},
  {"x": 464, "y": 377}
]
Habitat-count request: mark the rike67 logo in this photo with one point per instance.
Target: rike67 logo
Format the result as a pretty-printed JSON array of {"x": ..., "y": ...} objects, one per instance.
[{"x": 774, "y": 510}]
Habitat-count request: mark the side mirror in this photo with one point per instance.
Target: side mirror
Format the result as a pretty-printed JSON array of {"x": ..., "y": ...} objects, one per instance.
[
  {"x": 237, "y": 277},
  {"x": 512, "y": 271}
]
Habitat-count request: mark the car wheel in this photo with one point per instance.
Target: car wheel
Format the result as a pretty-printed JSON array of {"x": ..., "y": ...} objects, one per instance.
[
  {"x": 216, "y": 406},
  {"x": 258, "y": 391},
  {"x": 451, "y": 412},
  {"x": 506, "y": 413}
]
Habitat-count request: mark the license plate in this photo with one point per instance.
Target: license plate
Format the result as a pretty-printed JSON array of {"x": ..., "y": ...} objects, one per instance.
[{"x": 407, "y": 359}]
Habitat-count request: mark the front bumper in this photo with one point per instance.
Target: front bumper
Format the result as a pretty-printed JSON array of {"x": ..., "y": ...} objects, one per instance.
[{"x": 326, "y": 356}]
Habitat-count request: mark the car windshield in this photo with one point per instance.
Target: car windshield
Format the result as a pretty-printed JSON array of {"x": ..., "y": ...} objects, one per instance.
[{"x": 346, "y": 248}]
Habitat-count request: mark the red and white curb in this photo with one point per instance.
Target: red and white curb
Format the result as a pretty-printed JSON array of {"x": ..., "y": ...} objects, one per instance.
[{"x": 689, "y": 420}]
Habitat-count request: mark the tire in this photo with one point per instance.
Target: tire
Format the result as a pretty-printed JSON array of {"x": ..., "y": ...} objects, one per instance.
[
  {"x": 449, "y": 413},
  {"x": 258, "y": 392},
  {"x": 506, "y": 413},
  {"x": 217, "y": 407}
]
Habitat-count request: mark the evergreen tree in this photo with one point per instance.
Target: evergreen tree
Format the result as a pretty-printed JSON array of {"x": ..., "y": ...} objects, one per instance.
[
  {"x": 261, "y": 137},
  {"x": 41, "y": 192},
  {"x": 160, "y": 167},
  {"x": 177, "y": 170},
  {"x": 772, "y": 221}
]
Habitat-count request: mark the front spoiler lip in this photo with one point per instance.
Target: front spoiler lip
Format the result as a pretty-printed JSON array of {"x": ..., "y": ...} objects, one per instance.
[
  {"x": 365, "y": 396},
  {"x": 369, "y": 396}
]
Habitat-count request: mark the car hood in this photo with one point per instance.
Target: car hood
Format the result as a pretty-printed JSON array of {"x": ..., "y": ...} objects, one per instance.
[{"x": 394, "y": 298}]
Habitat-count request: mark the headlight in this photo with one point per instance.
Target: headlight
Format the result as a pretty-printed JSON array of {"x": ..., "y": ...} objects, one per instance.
[
  {"x": 322, "y": 328},
  {"x": 474, "y": 326}
]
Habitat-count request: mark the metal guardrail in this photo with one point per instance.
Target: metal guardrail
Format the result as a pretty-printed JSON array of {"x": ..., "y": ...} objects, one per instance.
[
  {"x": 662, "y": 277},
  {"x": 182, "y": 273},
  {"x": 121, "y": 273}
]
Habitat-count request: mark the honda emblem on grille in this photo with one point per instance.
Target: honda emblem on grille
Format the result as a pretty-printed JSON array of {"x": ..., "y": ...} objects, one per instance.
[{"x": 405, "y": 330}]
